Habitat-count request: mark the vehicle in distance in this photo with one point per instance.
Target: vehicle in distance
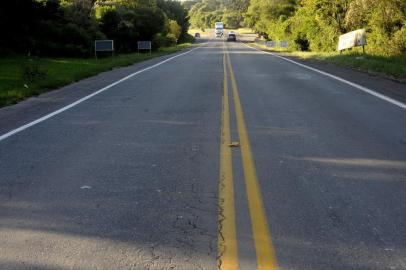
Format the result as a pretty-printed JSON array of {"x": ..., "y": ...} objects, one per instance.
[
  {"x": 197, "y": 35},
  {"x": 232, "y": 37},
  {"x": 219, "y": 33},
  {"x": 218, "y": 29}
]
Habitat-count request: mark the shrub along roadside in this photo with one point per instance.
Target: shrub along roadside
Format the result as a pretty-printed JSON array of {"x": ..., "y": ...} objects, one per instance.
[
  {"x": 315, "y": 25},
  {"x": 22, "y": 77},
  {"x": 390, "y": 66}
]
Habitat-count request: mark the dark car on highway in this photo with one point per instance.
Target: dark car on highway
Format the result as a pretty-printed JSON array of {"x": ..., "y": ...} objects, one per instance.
[
  {"x": 232, "y": 37},
  {"x": 197, "y": 35}
]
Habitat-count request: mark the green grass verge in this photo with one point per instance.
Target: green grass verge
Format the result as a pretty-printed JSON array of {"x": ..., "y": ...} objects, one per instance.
[
  {"x": 193, "y": 31},
  {"x": 22, "y": 77},
  {"x": 391, "y": 66},
  {"x": 243, "y": 31}
]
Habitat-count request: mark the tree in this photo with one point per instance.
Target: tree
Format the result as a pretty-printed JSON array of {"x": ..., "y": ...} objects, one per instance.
[
  {"x": 127, "y": 26},
  {"x": 205, "y": 13},
  {"x": 175, "y": 29},
  {"x": 174, "y": 10},
  {"x": 385, "y": 22},
  {"x": 48, "y": 27},
  {"x": 268, "y": 16}
]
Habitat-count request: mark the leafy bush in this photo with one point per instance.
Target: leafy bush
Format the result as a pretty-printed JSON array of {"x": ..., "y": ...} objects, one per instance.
[
  {"x": 174, "y": 30},
  {"x": 171, "y": 40},
  {"x": 317, "y": 24},
  {"x": 189, "y": 39},
  {"x": 174, "y": 10},
  {"x": 47, "y": 27},
  {"x": 69, "y": 27},
  {"x": 160, "y": 40},
  {"x": 127, "y": 26}
]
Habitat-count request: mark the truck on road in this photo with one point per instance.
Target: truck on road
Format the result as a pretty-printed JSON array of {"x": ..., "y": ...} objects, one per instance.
[{"x": 219, "y": 29}]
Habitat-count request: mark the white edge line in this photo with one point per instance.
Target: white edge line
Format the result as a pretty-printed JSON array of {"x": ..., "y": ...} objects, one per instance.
[
  {"x": 360, "y": 87},
  {"x": 67, "y": 107}
]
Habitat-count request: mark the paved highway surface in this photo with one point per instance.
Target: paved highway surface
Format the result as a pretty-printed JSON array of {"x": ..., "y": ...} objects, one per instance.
[{"x": 220, "y": 157}]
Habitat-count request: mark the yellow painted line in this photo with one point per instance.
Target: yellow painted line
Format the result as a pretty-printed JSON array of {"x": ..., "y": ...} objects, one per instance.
[
  {"x": 265, "y": 252},
  {"x": 227, "y": 239}
]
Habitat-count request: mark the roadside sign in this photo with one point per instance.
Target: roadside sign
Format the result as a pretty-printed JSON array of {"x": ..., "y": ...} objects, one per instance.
[
  {"x": 271, "y": 44},
  {"x": 352, "y": 39},
  {"x": 283, "y": 44},
  {"x": 145, "y": 45},
  {"x": 106, "y": 45}
]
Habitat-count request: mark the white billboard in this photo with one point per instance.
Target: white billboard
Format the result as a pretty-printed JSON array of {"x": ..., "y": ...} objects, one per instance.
[{"x": 352, "y": 39}]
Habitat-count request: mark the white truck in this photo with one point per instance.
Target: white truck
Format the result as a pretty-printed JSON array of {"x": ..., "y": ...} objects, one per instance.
[{"x": 219, "y": 29}]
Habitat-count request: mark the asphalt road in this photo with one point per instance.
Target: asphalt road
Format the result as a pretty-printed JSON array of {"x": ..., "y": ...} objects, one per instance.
[{"x": 223, "y": 156}]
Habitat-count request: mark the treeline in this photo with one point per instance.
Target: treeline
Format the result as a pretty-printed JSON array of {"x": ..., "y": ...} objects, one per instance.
[
  {"x": 316, "y": 24},
  {"x": 69, "y": 27},
  {"x": 312, "y": 24},
  {"x": 204, "y": 13}
]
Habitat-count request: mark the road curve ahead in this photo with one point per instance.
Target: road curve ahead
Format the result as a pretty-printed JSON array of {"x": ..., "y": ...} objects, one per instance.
[{"x": 220, "y": 158}]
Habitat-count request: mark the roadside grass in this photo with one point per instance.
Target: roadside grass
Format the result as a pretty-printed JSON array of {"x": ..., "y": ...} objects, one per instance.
[
  {"x": 390, "y": 66},
  {"x": 22, "y": 77},
  {"x": 240, "y": 31},
  {"x": 193, "y": 31},
  {"x": 245, "y": 31}
]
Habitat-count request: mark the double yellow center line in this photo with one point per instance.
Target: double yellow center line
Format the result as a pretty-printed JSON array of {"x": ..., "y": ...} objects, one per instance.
[{"x": 227, "y": 244}]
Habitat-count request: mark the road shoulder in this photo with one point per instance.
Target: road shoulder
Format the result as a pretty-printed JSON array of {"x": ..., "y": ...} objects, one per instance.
[
  {"x": 14, "y": 116},
  {"x": 392, "y": 88}
]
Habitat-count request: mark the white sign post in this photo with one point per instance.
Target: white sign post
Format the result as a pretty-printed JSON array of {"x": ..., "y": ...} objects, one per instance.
[
  {"x": 352, "y": 39},
  {"x": 145, "y": 45}
]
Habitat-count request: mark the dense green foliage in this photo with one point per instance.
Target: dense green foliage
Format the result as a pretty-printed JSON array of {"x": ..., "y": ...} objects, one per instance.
[
  {"x": 316, "y": 24},
  {"x": 47, "y": 26},
  {"x": 69, "y": 27},
  {"x": 205, "y": 13},
  {"x": 311, "y": 24},
  {"x": 127, "y": 26},
  {"x": 178, "y": 13}
]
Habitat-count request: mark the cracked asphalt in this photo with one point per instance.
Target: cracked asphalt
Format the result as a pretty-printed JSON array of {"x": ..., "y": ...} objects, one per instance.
[
  {"x": 147, "y": 150},
  {"x": 129, "y": 179}
]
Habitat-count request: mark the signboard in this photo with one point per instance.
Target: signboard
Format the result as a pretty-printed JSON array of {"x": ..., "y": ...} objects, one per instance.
[
  {"x": 271, "y": 44},
  {"x": 283, "y": 44},
  {"x": 352, "y": 39},
  {"x": 104, "y": 45},
  {"x": 144, "y": 45}
]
